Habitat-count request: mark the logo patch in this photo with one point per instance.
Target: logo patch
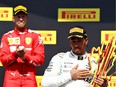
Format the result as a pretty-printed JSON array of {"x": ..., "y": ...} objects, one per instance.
[
  {"x": 14, "y": 40},
  {"x": 28, "y": 40}
]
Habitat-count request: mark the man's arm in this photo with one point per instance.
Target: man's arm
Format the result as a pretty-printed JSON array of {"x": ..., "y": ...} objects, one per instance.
[
  {"x": 37, "y": 55},
  {"x": 6, "y": 56},
  {"x": 53, "y": 76}
]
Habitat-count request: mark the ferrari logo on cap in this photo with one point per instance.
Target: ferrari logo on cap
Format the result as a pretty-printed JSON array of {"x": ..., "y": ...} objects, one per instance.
[{"x": 28, "y": 40}]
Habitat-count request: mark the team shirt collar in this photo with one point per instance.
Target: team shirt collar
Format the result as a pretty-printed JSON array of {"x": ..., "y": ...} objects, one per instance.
[
  {"x": 18, "y": 32},
  {"x": 77, "y": 56}
]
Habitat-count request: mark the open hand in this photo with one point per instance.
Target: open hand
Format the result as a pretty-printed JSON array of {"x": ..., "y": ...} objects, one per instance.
[{"x": 79, "y": 74}]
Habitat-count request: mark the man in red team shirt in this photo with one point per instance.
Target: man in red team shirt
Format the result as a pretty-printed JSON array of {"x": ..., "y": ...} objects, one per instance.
[{"x": 21, "y": 50}]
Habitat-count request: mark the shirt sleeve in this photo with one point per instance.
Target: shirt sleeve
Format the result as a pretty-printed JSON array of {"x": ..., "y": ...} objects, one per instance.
[
  {"x": 6, "y": 56},
  {"x": 37, "y": 57},
  {"x": 53, "y": 76}
]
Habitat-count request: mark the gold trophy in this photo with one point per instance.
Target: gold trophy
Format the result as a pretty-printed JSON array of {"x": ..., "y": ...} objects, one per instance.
[{"x": 106, "y": 59}]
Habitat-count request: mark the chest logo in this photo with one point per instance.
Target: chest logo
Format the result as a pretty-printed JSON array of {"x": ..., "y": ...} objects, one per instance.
[
  {"x": 14, "y": 40},
  {"x": 28, "y": 40}
]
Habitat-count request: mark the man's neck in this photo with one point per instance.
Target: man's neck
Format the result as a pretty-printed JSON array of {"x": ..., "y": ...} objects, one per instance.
[{"x": 21, "y": 29}]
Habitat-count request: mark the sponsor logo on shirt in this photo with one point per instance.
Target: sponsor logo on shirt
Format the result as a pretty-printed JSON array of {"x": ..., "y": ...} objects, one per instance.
[
  {"x": 14, "y": 40},
  {"x": 28, "y": 40}
]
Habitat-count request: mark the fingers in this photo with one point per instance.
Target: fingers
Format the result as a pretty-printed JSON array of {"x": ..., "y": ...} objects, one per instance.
[
  {"x": 18, "y": 46},
  {"x": 99, "y": 80},
  {"x": 20, "y": 50},
  {"x": 21, "y": 47},
  {"x": 83, "y": 73},
  {"x": 76, "y": 67},
  {"x": 79, "y": 73}
]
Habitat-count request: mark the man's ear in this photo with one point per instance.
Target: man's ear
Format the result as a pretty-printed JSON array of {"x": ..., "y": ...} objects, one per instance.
[
  {"x": 86, "y": 41},
  {"x": 13, "y": 19}
]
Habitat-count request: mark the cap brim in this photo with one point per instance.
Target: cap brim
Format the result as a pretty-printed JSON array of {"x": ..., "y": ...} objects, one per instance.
[
  {"x": 79, "y": 36},
  {"x": 20, "y": 11}
]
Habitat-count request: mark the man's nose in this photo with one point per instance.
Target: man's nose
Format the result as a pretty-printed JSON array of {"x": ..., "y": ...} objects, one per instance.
[
  {"x": 76, "y": 45},
  {"x": 21, "y": 19}
]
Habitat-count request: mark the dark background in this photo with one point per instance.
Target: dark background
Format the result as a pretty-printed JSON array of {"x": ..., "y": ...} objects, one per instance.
[{"x": 43, "y": 16}]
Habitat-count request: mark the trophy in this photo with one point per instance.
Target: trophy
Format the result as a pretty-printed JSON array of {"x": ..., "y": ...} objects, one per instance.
[{"x": 106, "y": 59}]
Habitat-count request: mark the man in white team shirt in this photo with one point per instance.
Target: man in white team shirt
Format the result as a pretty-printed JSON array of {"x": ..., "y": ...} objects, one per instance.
[{"x": 71, "y": 69}]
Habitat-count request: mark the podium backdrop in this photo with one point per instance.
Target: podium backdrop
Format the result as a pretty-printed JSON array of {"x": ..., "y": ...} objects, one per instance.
[{"x": 44, "y": 15}]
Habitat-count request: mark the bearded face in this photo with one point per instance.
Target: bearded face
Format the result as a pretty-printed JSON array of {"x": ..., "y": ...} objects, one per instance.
[{"x": 78, "y": 45}]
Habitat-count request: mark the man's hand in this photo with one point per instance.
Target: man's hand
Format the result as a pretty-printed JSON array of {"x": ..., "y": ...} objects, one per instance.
[
  {"x": 100, "y": 81},
  {"x": 79, "y": 74},
  {"x": 20, "y": 51}
]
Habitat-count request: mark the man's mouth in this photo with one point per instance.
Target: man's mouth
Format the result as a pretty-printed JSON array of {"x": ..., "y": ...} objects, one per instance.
[{"x": 20, "y": 23}]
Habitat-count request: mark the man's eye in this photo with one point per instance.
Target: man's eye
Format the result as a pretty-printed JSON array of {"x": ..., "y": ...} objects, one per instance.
[
  {"x": 18, "y": 16},
  {"x": 74, "y": 41}
]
